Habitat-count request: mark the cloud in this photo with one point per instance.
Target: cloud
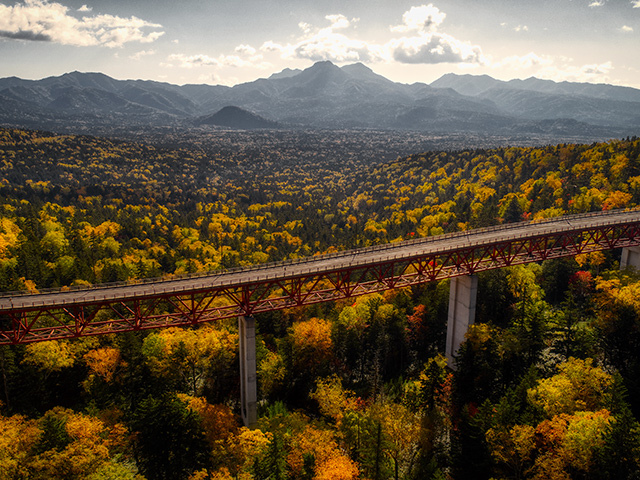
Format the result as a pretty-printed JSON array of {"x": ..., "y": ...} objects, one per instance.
[
  {"x": 523, "y": 62},
  {"x": 422, "y": 42},
  {"x": 327, "y": 44},
  {"x": 84, "y": 8},
  {"x": 597, "y": 3},
  {"x": 594, "y": 73},
  {"x": 635, "y": 3},
  {"x": 427, "y": 45},
  {"x": 626, "y": 29},
  {"x": 597, "y": 69},
  {"x": 142, "y": 53},
  {"x": 191, "y": 61},
  {"x": 420, "y": 19},
  {"x": 244, "y": 59},
  {"x": 25, "y": 35},
  {"x": 245, "y": 50},
  {"x": 339, "y": 21},
  {"x": 521, "y": 28},
  {"x": 42, "y": 20},
  {"x": 435, "y": 48}
]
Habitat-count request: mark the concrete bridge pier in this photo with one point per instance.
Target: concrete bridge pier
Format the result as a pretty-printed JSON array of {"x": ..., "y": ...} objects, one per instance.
[
  {"x": 462, "y": 312},
  {"x": 630, "y": 258},
  {"x": 248, "y": 385}
]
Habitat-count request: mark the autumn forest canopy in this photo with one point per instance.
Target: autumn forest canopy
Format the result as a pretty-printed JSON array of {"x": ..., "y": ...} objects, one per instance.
[{"x": 545, "y": 386}]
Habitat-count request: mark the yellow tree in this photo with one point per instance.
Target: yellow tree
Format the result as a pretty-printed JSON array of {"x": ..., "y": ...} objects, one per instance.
[
  {"x": 74, "y": 445},
  {"x": 192, "y": 353},
  {"x": 401, "y": 427},
  {"x": 314, "y": 452},
  {"x": 569, "y": 442},
  {"x": 513, "y": 447},
  {"x": 51, "y": 356},
  {"x": 18, "y": 437},
  {"x": 311, "y": 345},
  {"x": 332, "y": 399},
  {"x": 577, "y": 386}
]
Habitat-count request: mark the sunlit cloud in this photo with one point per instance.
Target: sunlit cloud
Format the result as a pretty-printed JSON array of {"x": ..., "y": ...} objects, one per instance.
[
  {"x": 84, "y": 8},
  {"x": 339, "y": 21},
  {"x": 635, "y": 3},
  {"x": 626, "y": 29},
  {"x": 523, "y": 62},
  {"x": 420, "y": 19},
  {"x": 142, "y": 53},
  {"x": 597, "y": 3},
  {"x": 191, "y": 61},
  {"x": 428, "y": 45},
  {"x": 201, "y": 60},
  {"x": 430, "y": 48},
  {"x": 40, "y": 20},
  {"x": 327, "y": 44},
  {"x": 421, "y": 44},
  {"x": 245, "y": 50}
]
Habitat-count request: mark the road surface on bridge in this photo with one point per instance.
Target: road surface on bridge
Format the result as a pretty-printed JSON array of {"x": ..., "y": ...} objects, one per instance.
[{"x": 22, "y": 301}]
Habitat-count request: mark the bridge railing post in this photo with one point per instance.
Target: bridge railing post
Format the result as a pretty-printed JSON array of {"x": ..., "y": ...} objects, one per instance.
[
  {"x": 248, "y": 384},
  {"x": 462, "y": 312}
]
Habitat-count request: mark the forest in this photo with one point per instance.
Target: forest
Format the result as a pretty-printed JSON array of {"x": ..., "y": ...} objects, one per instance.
[{"x": 546, "y": 385}]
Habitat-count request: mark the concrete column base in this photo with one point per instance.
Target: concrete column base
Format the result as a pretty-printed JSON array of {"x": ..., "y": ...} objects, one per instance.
[
  {"x": 630, "y": 258},
  {"x": 462, "y": 312},
  {"x": 248, "y": 385}
]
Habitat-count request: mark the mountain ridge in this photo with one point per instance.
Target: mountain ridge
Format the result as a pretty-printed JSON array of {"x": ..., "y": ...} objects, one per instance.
[{"x": 325, "y": 95}]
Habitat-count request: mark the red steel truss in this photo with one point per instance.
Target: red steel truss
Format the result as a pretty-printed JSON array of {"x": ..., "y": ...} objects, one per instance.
[{"x": 26, "y": 318}]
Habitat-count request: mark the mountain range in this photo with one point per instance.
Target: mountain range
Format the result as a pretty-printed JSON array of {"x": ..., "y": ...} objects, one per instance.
[{"x": 326, "y": 96}]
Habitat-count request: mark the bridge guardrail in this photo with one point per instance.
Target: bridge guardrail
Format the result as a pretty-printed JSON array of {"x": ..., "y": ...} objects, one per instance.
[{"x": 316, "y": 258}]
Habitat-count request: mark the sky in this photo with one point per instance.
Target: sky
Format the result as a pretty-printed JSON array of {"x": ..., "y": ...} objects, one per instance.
[{"x": 226, "y": 42}]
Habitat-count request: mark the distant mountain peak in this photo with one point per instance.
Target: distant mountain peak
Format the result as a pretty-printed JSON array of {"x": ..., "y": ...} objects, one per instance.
[
  {"x": 362, "y": 72},
  {"x": 236, "y": 117},
  {"x": 286, "y": 73}
]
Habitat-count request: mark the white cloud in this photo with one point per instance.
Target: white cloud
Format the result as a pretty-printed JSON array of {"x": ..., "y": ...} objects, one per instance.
[
  {"x": 142, "y": 53},
  {"x": 421, "y": 44},
  {"x": 523, "y": 62},
  {"x": 327, "y": 44},
  {"x": 84, "y": 8},
  {"x": 306, "y": 28},
  {"x": 597, "y": 69},
  {"x": 521, "y": 28},
  {"x": 245, "y": 50},
  {"x": 597, "y": 3},
  {"x": 420, "y": 19},
  {"x": 190, "y": 61},
  {"x": 41, "y": 20},
  {"x": 244, "y": 59},
  {"x": 435, "y": 48},
  {"x": 427, "y": 45},
  {"x": 635, "y": 3},
  {"x": 339, "y": 21},
  {"x": 626, "y": 29}
]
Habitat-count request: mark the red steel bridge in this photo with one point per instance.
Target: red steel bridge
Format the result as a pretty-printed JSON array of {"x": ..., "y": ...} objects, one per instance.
[{"x": 27, "y": 317}]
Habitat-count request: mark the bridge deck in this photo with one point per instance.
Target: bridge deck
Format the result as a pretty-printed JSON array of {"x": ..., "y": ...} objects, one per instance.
[{"x": 16, "y": 301}]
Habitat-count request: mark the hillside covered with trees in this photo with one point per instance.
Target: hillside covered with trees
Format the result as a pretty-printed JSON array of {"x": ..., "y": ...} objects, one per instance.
[{"x": 546, "y": 385}]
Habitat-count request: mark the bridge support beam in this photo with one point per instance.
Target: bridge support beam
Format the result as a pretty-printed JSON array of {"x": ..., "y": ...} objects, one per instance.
[
  {"x": 630, "y": 258},
  {"x": 248, "y": 385},
  {"x": 462, "y": 312}
]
